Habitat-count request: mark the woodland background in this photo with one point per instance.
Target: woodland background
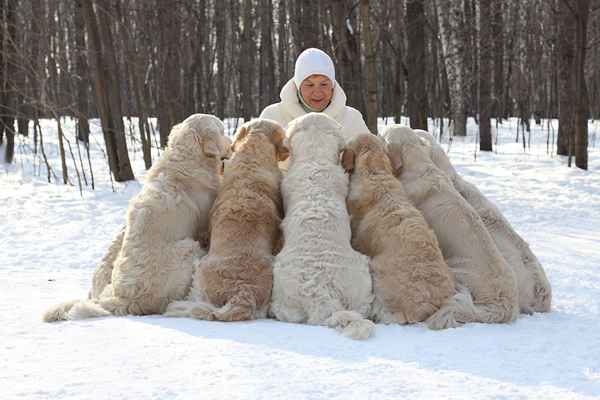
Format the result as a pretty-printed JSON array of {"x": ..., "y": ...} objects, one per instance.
[{"x": 159, "y": 61}]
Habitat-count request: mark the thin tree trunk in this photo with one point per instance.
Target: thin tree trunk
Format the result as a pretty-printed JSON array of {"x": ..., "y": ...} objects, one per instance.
[
  {"x": 370, "y": 67},
  {"x": 417, "y": 92},
  {"x": 102, "y": 56},
  {"x": 485, "y": 74}
]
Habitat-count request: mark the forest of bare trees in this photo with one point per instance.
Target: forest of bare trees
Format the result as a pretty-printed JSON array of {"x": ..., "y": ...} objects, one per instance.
[{"x": 161, "y": 60}]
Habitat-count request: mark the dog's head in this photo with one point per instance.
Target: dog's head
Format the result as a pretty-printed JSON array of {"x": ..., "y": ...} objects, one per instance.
[
  {"x": 366, "y": 153},
  {"x": 316, "y": 135},
  {"x": 199, "y": 137},
  {"x": 270, "y": 131},
  {"x": 402, "y": 144}
]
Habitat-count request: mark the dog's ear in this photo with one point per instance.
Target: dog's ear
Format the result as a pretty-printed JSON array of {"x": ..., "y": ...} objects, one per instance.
[
  {"x": 240, "y": 134},
  {"x": 210, "y": 148},
  {"x": 278, "y": 139},
  {"x": 348, "y": 157},
  {"x": 394, "y": 152}
]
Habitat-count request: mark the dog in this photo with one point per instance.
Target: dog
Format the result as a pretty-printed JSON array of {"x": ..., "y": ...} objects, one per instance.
[
  {"x": 317, "y": 277},
  {"x": 411, "y": 280},
  {"x": 234, "y": 281},
  {"x": 158, "y": 248},
  {"x": 486, "y": 284},
  {"x": 535, "y": 292}
]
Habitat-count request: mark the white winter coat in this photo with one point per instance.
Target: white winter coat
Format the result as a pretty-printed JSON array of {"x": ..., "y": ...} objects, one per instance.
[{"x": 290, "y": 108}]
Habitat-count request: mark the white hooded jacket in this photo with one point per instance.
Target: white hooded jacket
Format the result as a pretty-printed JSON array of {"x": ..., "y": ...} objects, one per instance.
[{"x": 290, "y": 108}]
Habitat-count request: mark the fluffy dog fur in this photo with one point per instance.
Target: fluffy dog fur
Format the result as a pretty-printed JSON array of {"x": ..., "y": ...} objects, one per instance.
[
  {"x": 317, "y": 277},
  {"x": 535, "y": 293},
  {"x": 157, "y": 251},
  {"x": 234, "y": 281},
  {"x": 486, "y": 283},
  {"x": 411, "y": 280}
]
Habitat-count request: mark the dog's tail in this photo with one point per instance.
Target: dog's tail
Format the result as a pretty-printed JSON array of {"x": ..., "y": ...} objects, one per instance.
[
  {"x": 351, "y": 324},
  {"x": 238, "y": 308},
  {"x": 84, "y": 309},
  {"x": 460, "y": 309},
  {"x": 74, "y": 310}
]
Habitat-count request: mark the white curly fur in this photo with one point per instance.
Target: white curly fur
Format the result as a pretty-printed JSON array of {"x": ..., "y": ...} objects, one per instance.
[
  {"x": 486, "y": 283},
  {"x": 157, "y": 251},
  {"x": 317, "y": 277},
  {"x": 535, "y": 292}
]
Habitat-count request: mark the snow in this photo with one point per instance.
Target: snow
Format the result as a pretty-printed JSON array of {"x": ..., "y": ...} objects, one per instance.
[{"x": 52, "y": 237}]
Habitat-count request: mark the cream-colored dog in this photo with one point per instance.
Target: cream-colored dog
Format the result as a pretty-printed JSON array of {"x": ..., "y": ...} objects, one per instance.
[
  {"x": 535, "y": 292},
  {"x": 486, "y": 283},
  {"x": 411, "y": 280},
  {"x": 317, "y": 277},
  {"x": 158, "y": 250},
  {"x": 234, "y": 281}
]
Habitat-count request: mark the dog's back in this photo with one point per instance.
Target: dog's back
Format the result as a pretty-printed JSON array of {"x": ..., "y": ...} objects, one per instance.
[
  {"x": 318, "y": 275},
  {"x": 234, "y": 281}
]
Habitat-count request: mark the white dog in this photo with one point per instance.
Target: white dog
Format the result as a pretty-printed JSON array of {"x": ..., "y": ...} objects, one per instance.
[
  {"x": 317, "y": 277},
  {"x": 486, "y": 283},
  {"x": 157, "y": 253},
  {"x": 535, "y": 292}
]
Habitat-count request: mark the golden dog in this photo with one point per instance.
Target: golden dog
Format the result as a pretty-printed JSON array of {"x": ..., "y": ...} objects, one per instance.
[
  {"x": 234, "y": 281},
  {"x": 411, "y": 280}
]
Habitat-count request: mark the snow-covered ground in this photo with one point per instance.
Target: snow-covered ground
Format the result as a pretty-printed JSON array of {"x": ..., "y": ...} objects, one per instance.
[{"x": 51, "y": 238}]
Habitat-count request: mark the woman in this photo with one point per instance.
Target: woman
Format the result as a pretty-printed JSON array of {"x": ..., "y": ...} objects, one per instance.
[{"x": 314, "y": 89}]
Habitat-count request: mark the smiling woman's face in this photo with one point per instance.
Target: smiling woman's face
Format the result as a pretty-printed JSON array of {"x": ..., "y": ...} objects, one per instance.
[{"x": 317, "y": 91}]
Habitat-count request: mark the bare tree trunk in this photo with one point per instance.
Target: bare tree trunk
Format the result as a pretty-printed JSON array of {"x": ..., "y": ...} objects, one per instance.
[
  {"x": 347, "y": 53},
  {"x": 168, "y": 102},
  {"x": 485, "y": 74},
  {"x": 566, "y": 88},
  {"x": 454, "y": 49},
  {"x": 582, "y": 10},
  {"x": 498, "y": 40},
  {"x": 82, "y": 72},
  {"x": 8, "y": 59},
  {"x": 102, "y": 56},
  {"x": 415, "y": 62},
  {"x": 221, "y": 40},
  {"x": 371, "y": 76},
  {"x": 267, "y": 63}
]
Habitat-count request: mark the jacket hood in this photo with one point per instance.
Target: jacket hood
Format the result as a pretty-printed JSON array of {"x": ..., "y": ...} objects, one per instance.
[{"x": 291, "y": 105}]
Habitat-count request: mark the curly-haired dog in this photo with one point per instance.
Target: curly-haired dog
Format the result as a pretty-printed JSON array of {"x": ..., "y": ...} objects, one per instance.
[
  {"x": 535, "y": 292},
  {"x": 317, "y": 277},
  {"x": 486, "y": 283},
  {"x": 234, "y": 281},
  {"x": 154, "y": 263},
  {"x": 411, "y": 280}
]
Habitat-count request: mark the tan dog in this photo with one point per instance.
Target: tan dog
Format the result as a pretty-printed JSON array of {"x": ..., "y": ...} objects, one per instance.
[
  {"x": 486, "y": 283},
  {"x": 410, "y": 277},
  {"x": 535, "y": 292},
  {"x": 234, "y": 281},
  {"x": 157, "y": 250}
]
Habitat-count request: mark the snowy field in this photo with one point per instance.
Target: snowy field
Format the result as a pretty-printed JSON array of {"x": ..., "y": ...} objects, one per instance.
[{"x": 51, "y": 238}]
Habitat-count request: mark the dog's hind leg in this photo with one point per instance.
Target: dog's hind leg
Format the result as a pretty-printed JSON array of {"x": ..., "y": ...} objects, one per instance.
[{"x": 103, "y": 273}]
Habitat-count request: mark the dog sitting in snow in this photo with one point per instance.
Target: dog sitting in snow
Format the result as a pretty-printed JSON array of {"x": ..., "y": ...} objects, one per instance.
[
  {"x": 317, "y": 277},
  {"x": 535, "y": 292},
  {"x": 411, "y": 280},
  {"x": 486, "y": 284},
  {"x": 234, "y": 281},
  {"x": 157, "y": 251}
]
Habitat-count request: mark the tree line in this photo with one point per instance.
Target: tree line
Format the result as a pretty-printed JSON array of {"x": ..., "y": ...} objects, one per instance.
[{"x": 166, "y": 59}]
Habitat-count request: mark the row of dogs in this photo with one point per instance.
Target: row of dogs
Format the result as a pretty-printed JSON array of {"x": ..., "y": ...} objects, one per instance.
[{"x": 381, "y": 229}]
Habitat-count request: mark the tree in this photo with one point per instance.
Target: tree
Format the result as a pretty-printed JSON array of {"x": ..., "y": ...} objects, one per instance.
[
  {"x": 485, "y": 74},
  {"x": 415, "y": 62},
  {"x": 370, "y": 67},
  {"x": 108, "y": 97}
]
